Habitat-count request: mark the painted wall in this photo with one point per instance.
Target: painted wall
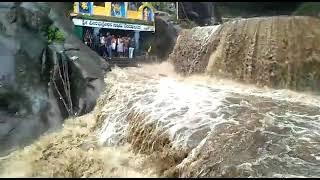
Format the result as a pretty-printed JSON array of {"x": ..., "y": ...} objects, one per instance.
[{"x": 129, "y": 10}]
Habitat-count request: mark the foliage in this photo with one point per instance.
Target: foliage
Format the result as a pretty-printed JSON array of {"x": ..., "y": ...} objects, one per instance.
[
  {"x": 158, "y": 5},
  {"x": 173, "y": 18},
  {"x": 146, "y": 45},
  {"x": 308, "y": 9},
  {"x": 87, "y": 16},
  {"x": 249, "y": 9},
  {"x": 162, "y": 6},
  {"x": 54, "y": 34}
]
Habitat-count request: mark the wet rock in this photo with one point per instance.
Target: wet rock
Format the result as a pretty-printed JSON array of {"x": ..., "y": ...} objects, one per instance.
[
  {"x": 24, "y": 45},
  {"x": 164, "y": 37},
  {"x": 200, "y": 12},
  {"x": 266, "y": 51},
  {"x": 12, "y": 15}
]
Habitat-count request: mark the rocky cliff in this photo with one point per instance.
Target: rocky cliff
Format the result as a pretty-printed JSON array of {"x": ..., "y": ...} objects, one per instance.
[
  {"x": 200, "y": 12},
  {"x": 48, "y": 80}
]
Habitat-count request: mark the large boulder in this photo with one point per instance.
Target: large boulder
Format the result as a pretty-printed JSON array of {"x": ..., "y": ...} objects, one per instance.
[
  {"x": 164, "y": 37},
  {"x": 29, "y": 85}
]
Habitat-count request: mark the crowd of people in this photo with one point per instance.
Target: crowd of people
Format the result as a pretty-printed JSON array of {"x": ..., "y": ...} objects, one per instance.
[{"x": 109, "y": 46}]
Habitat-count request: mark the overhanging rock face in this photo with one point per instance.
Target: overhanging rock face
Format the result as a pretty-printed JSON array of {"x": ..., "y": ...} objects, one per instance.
[{"x": 27, "y": 61}]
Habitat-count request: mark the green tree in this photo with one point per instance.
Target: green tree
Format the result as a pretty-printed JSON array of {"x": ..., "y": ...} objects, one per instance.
[
  {"x": 161, "y": 6},
  {"x": 308, "y": 9},
  {"x": 257, "y": 8}
]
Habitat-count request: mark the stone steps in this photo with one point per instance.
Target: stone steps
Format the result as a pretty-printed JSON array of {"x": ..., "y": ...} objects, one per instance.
[
  {"x": 127, "y": 62},
  {"x": 123, "y": 62}
]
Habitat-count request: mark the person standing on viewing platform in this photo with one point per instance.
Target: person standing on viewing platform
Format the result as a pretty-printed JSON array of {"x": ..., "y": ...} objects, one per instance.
[
  {"x": 131, "y": 47},
  {"x": 114, "y": 44},
  {"x": 109, "y": 45},
  {"x": 120, "y": 47},
  {"x": 87, "y": 39},
  {"x": 104, "y": 48},
  {"x": 102, "y": 44}
]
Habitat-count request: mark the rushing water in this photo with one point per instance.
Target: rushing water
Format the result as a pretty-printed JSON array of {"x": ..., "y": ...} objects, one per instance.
[
  {"x": 220, "y": 128},
  {"x": 187, "y": 127}
]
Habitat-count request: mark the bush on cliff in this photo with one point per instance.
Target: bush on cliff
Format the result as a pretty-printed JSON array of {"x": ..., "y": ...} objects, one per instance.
[
  {"x": 53, "y": 34},
  {"x": 308, "y": 9}
]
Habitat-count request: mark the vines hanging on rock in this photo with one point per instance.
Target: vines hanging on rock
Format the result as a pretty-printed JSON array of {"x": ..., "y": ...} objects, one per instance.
[{"x": 60, "y": 73}]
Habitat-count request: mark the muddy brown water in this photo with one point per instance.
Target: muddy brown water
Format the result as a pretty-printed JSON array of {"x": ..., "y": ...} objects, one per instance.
[
  {"x": 150, "y": 125},
  {"x": 152, "y": 122}
]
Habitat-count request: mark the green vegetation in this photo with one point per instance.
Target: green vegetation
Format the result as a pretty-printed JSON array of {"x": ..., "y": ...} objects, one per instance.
[
  {"x": 146, "y": 45},
  {"x": 163, "y": 6},
  {"x": 53, "y": 34},
  {"x": 251, "y": 9},
  {"x": 308, "y": 9}
]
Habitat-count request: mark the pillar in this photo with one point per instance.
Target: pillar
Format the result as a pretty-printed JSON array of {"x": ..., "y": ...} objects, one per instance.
[
  {"x": 136, "y": 38},
  {"x": 95, "y": 31},
  {"x": 79, "y": 31}
]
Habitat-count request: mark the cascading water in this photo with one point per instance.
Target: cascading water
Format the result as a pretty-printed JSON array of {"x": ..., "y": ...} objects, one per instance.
[
  {"x": 208, "y": 128},
  {"x": 184, "y": 127},
  {"x": 152, "y": 122}
]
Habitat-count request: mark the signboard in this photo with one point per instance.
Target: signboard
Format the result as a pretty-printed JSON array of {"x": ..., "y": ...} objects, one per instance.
[{"x": 112, "y": 25}]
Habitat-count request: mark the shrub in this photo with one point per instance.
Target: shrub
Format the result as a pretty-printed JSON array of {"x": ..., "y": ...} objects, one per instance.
[
  {"x": 54, "y": 34},
  {"x": 308, "y": 9}
]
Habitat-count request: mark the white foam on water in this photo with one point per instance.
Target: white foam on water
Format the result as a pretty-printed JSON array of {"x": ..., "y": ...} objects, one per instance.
[{"x": 190, "y": 109}]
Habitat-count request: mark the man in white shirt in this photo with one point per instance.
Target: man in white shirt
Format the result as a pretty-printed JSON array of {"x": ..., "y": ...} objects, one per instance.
[
  {"x": 131, "y": 47},
  {"x": 102, "y": 44}
]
